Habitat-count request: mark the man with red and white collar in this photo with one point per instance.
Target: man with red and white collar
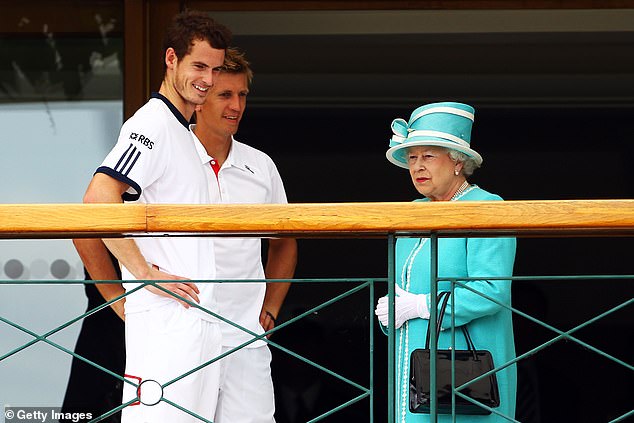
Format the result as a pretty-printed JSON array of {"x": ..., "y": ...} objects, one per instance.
[{"x": 243, "y": 174}]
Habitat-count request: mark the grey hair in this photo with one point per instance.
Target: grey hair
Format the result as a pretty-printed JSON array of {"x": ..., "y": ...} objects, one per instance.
[{"x": 468, "y": 163}]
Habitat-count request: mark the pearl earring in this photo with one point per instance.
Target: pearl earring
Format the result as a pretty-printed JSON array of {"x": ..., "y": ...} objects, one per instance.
[{"x": 455, "y": 172}]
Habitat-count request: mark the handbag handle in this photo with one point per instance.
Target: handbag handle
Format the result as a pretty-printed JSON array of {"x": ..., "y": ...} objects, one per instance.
[{"x": 443, "y": 299}]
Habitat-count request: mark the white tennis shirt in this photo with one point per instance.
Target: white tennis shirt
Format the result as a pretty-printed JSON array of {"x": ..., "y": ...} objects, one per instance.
[
  {"x": 248, "y": 176},
  {"x": 156, "y": 156}
]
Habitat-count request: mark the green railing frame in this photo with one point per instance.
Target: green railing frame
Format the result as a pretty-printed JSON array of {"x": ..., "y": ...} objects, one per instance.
[
  {"x": 362, "y": 283},
  {"x": 393, "y": 413},
  {"x": 560, "y": 334},
  {"x": 366, "y": 392}
]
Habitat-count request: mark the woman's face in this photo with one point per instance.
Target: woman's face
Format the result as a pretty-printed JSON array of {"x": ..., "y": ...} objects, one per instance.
[{"x": 433, "y": 172}]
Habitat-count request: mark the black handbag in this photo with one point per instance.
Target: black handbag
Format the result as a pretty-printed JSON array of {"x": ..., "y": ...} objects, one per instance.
[{"x": 469, "y": 364}]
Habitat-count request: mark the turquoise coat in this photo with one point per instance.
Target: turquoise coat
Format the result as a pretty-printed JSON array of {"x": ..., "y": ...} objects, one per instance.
[{"x": 490, "y": 325}]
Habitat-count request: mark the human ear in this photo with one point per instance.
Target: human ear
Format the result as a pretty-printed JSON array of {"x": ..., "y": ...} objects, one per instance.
[
  {"x": 458, "y": 168},
  {"x": 170, "y": 58}
]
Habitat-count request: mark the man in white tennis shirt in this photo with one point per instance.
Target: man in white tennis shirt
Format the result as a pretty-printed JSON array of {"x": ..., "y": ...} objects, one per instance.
[
  {"x": 243, "y": 174},
  {"x": 155, "y": 161}
]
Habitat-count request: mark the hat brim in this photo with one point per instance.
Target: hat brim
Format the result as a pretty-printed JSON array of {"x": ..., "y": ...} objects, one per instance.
[{"x": 395, "y": 154}]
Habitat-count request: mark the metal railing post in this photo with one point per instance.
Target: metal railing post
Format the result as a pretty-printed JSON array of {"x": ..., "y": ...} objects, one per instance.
[
  {"x": 391, "y": 338},
  {"x": 371, "y": 328},
  {"x": 433, "y": 338}
]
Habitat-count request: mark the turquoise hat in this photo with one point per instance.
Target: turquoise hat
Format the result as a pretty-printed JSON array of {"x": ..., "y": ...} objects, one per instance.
[{"x": 445, "y": 124}]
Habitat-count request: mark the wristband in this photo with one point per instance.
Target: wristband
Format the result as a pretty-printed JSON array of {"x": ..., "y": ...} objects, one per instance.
[{"x": 268, "y": 313}]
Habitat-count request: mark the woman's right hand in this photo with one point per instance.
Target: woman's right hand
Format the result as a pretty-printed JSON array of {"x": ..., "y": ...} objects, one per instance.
[{"x": 408, "y": 306}]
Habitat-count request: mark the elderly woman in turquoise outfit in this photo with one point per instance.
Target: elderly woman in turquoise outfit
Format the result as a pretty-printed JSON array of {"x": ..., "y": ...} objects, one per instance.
[{"x": 434, "y": 145}]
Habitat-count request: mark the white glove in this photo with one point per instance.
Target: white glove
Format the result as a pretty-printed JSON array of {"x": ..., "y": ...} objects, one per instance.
[{"x": 408, "y": 306}]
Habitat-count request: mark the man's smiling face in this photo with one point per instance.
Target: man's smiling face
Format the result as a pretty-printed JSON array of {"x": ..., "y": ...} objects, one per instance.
[{"x": 225, "y": 104}]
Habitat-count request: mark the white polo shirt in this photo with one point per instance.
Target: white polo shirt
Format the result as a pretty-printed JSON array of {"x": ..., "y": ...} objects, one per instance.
[
  {"x": 248, "y": 176},
  {"x": 156, "y": 157}
]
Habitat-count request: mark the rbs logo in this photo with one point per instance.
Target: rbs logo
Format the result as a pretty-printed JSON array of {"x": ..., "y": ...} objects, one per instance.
[{"x": 142, "y": 139}]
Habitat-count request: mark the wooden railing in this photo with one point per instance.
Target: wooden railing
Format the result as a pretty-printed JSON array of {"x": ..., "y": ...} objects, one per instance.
[{"x": 560, "y": 218}]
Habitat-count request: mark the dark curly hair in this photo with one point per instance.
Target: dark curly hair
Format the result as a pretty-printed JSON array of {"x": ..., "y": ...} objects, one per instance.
[{"x": 190, "y": 26}]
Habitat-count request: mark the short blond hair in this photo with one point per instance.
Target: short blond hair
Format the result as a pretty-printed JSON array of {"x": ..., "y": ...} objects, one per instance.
[{"x": 236, "y": 63}]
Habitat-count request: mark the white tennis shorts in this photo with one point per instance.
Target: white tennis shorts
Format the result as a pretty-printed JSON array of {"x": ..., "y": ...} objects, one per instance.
[
  {"x": 161, "y": 345},
  {"x": 246, "y": 387}
]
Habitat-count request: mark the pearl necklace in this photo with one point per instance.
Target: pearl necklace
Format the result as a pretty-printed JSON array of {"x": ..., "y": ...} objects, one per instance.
[
  {"x": 460, "y": 191},
  {"x": 406, "y": 272}
]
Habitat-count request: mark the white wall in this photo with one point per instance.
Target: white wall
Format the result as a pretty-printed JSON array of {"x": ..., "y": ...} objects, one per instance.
[{"x": 48, "y": 153}]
